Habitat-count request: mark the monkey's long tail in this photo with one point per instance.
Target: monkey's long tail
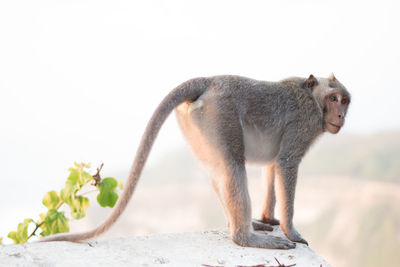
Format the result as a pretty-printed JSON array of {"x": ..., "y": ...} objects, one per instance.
[{"x": 188, "y": 91}]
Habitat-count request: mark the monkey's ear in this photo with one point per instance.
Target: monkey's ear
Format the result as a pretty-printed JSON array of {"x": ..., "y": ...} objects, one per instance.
[
  {"x": 311, "y": 82},
  {"x": 332, "y": 77}
]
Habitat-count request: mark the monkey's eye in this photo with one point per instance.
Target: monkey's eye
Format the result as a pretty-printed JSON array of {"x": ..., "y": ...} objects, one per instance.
[
  {"x": 333, "y": 98},
  {"x": 344, "y": 101}
]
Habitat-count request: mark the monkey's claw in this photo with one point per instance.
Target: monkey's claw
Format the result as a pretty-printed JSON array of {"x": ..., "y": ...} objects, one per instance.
[
  {"x": 261, "y": 226},
  {"x": 294, "y": 236}
]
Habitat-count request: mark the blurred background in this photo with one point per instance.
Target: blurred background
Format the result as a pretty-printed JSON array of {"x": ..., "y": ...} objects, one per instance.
[{"x": 80, "y": 79}]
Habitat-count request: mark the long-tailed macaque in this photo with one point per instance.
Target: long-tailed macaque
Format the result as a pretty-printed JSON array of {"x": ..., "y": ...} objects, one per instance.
[{"x": 231, "y": 120}]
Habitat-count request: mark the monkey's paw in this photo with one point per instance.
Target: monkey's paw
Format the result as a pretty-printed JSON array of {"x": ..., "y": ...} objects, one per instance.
[
  {"x": 261, "y": 226},
  {"x": 256, "y": 240},
  {"x": 294, "y": 236},
  {"x": 271, "y": 221}
]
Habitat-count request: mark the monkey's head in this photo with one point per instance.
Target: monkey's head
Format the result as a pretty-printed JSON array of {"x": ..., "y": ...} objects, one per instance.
[{"x": 333, "y": 99}]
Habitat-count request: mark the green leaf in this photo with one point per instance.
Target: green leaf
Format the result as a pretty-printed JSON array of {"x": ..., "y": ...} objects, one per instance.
[
  {"x": 72, "y": 185},
  {"x": 78, "y": 207},
  {"x": 54, "y": 222},
  {"x": 51, "y": 200},
  {"x": 107, "y": 196},
  {"x": 77, "y": 178},
  {"x": 14, "y": 237},
  {"x": 77, "y": 204},
  {"x": 82, "y": 165},
  {"x": 21, "y": 235},
  {"x": 67, "y": 194}
]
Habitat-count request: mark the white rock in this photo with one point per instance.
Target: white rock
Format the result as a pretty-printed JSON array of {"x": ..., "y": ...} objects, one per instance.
[{"x": 213, "y": 248}]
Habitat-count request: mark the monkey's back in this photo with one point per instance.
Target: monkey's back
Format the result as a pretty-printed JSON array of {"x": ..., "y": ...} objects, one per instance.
[{"x": 265, "y": 104}]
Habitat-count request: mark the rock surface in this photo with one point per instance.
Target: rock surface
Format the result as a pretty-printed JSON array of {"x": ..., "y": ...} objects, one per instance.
[{"x": 208, "y": 248}]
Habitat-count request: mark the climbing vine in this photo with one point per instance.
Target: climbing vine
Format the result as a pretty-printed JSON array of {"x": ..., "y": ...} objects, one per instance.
[{"x": 54, "y": 221}]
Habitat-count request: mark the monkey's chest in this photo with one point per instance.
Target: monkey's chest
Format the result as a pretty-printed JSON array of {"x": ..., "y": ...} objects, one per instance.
[{"x": 260, "y": 146}]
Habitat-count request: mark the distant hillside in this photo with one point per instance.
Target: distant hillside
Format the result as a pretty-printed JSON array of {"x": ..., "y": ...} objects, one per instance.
[
  {"x": 359, "y": 224},
  {"x": 375, "y": 157}
]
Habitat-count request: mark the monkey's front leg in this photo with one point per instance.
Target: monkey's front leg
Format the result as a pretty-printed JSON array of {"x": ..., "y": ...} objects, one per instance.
[{"x": 286, "y": 173}]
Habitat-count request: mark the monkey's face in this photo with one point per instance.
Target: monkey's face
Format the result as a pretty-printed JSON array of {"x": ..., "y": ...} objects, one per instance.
[{"x": 336, "y": 104}]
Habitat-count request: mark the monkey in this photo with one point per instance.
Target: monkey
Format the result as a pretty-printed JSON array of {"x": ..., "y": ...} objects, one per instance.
[{"x": 229, "y": 121}]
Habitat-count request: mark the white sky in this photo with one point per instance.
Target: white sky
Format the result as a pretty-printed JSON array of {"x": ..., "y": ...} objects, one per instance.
[{"x": 80, "y": 79}]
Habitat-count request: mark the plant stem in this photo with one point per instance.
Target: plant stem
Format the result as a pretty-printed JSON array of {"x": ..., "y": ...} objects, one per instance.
[
  {"x": 88, "y": 192},
  {"x": 34, "y": 231},
  {"x": 59, "y": 204}
]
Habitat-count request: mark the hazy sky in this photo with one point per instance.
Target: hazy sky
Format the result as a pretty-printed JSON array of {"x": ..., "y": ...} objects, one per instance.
[{"x": 80, "y": 79}]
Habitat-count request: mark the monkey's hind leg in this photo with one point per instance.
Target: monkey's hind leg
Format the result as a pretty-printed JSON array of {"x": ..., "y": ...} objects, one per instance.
[
  {"x": 236, "y": 200},
  {"x": 216, "y": 189},
  {"x": 267, "y": 216}
]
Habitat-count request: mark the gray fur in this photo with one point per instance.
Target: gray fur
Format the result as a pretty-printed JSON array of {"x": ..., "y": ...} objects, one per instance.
[{"x": 231, "y": 120}]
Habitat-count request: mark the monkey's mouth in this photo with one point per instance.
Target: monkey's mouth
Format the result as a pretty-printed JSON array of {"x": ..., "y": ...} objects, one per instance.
[{"x": 334, "y": 125}]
